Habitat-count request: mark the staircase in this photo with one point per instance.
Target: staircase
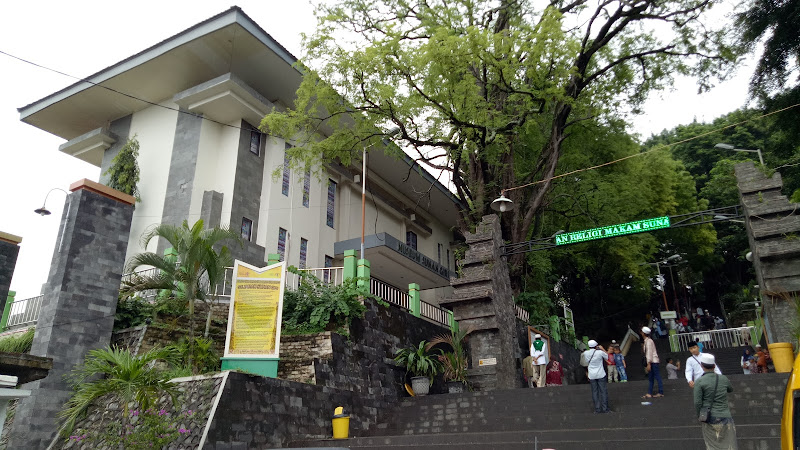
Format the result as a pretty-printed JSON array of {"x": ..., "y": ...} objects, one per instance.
[
  {"x": 728, "y": 359},
  {"x": 562, "y": 418}
]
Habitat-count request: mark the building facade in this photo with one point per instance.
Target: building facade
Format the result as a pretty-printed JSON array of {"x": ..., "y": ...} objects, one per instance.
[{"x": 194, "y": 102}]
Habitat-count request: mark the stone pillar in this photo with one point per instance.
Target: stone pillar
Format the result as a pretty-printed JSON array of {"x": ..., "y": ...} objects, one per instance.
[
  {"x": 9, "y": 249},
  {"x": 80, "y": 298},
  {"x": 273, "y": 258},
  {"x": 482, "y": 302},
  {"x": 773, "y": 230}
]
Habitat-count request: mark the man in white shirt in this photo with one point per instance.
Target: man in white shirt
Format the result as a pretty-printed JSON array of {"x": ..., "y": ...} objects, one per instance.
[
  {"x": 693, "y": 368},
  {"x": 593, "y": 359},
  {"x": 539, "y": 355}
]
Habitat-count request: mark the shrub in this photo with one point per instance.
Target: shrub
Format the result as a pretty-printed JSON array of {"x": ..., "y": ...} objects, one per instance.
[{"x": 20, "y": 343}]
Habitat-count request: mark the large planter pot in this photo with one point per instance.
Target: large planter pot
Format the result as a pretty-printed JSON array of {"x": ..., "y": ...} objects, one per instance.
[
  {"x": 782, "y": 356},
  {"x": 420, "y": 385},
  {"x": 455, "y": 387}
]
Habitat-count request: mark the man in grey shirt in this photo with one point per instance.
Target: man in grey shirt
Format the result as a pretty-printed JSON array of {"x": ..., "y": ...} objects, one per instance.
[{"x": 593, "y": 359}]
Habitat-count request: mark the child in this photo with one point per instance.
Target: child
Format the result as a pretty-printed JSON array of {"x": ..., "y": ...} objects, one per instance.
[
  {"x": 612, "y": 366},
  {"x": 672, "y": 369},
  {"x": 621, "y": 365}
]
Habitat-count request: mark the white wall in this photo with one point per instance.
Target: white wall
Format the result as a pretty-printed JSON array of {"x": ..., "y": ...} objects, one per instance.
[
  {"x": 154, "y": 128},
  {"x": 216, "y": 167}
]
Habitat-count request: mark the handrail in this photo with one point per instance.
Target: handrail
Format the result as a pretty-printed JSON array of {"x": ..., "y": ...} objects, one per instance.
[
  {"x": 24, "y": 312},
  {"x": 522, "y": 314},
  {"x": 728, "y": 337},
  {"x": 389, "y": 293}
]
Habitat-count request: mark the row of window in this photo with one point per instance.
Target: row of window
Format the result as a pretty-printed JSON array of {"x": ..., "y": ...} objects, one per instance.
[{"x": 411, "y": 241}]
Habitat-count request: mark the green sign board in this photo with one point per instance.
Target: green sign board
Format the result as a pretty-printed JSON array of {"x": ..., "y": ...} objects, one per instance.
[{"x": 638, "y": 226}]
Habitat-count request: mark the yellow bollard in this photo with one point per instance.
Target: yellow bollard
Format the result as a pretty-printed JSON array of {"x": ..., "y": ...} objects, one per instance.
[{"x": 341, "y": 424}]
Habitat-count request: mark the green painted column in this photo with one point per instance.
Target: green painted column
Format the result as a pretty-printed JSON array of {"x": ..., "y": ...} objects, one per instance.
[
  {"x": 273, "y": 258},
  {"x": 453, "y": 323},
  {"x": 673, "y": 341},
  {"x": 363, "y": 273},
  {"x": 7, "y": 309},
  {"x": 413, "y": 299},
  {"x": 350, "y": 266}
]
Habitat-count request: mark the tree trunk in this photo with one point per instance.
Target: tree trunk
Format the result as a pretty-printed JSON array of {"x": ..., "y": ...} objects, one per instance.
[{"x": 208, "y": 322}]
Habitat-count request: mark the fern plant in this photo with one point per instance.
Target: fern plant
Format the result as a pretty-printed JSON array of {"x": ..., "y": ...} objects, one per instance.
[{"x": 124, "y": 171}]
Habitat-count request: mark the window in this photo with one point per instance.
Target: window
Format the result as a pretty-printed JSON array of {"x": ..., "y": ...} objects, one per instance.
[
  {"x": 287, "y": 173},
  {"x": 326, "y": 275},
  {"x": 247, "y": 228},
  {"x": 307, "y": 188},
  {"x": 281, "y": 242},
  {"x": 255, "y": 142},
  {"x": 439, "y": 253},
  {"x": 411, "y": 239},
  {"x": 448, "y": 259},
  {"x": 331, "y": 202},
  {"x": 303, "y": 252}
]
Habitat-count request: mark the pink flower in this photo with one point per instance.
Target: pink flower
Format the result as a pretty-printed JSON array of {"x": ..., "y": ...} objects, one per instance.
[
  {"x": 183, "y": 431},
  {"x": 162, "y": 412}
]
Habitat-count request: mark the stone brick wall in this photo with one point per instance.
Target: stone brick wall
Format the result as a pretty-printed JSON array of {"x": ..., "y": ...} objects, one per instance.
[
  {"x": 298, "y": 354},
  {"x": 8, "y": 261}
]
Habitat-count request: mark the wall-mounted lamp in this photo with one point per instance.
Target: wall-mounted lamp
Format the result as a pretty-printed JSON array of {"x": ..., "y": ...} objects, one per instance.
[
  {"x": 502, "y": 203},
  {"x": 43, "y": 211}
]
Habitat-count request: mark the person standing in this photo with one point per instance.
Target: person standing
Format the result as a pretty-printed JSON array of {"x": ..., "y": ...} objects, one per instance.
[
  {"x": 613, "y": 374},
  {"x": 653, "y": 363},
  {"x": 619, "y": 361},
  {"x": 694, "y": 370},
  {"x": 527, "y": 370},
  {"x": 593, "y": 359},
  {"x": 748, "y": 362},
  {"x": 711, "y": 391},
  {"x": 554, "y": 372},
  {"x": 539, "y": 355},
  {"x": 761, "y": 359}
]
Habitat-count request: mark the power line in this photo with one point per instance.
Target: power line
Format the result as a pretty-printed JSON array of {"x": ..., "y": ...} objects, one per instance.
[{"x": 86, "y": 80}]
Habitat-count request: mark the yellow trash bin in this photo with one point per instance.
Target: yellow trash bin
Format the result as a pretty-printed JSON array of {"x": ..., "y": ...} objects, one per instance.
[
  {"x": 341, "y": 424},
  {"x": 782, "y": 356}
]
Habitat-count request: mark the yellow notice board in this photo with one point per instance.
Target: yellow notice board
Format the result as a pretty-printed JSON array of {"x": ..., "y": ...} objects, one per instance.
[{"x": 254, "y": 318}]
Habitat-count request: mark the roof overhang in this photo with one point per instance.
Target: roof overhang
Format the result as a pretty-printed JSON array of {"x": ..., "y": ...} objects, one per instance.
[
  {"x": 396, "y": 263},
  {"x": 229, "y": 42}
]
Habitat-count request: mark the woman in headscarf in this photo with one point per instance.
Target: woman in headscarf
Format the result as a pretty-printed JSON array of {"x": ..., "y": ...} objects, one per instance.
[
  {"x": 747, "y": 361},
  {"x": 554, "y": 373}
]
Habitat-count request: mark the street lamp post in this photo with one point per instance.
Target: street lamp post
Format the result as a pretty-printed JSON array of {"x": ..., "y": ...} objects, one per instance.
[{"x": 731, "y": 147}]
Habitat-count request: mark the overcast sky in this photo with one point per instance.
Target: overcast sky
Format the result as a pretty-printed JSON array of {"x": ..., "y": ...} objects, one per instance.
[{"x": 83, "y": 37}]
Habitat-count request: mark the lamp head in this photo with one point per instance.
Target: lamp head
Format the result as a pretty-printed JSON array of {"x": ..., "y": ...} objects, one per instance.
[
  {"x": 502, "y": 204},
  {"x": 724, "y": 146},
  {"x": 42, "y": 211}
]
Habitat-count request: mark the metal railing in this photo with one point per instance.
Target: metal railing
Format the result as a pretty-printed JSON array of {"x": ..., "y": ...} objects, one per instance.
[
  {"x": 389, "y": 293},
  {"x": 729, "y": 337},
  {"x": 522, "y": 314},
  {"x": 24, "y": 312},
  {"x": 331, "y": 275},
  {"x": 434, "y": 313}
]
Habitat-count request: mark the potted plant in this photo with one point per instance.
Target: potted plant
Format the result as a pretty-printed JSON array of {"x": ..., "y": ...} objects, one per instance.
[
  {"x": 454, "y": 363},
  {"x": 421, "y": 365}
]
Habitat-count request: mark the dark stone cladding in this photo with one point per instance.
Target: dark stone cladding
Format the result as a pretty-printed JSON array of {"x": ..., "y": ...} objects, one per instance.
[
  {"x": 8, "y": 261},
  {"x": 247, "y": 182},
  {"x": 211, "y": 209},
  {"x": 77, "y": 312},
  {"x": 257, "y": 412},
  {"x": 121, "y": 129},
  {"x": 773, "y": 226},
  {"x": 182, "y": 167}
]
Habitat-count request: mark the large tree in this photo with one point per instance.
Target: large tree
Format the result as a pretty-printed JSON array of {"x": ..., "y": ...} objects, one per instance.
[{"x": 487, "y": 91}]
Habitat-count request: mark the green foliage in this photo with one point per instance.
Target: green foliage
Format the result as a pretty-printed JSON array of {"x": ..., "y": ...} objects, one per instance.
[
  {"x": 318, "y": 306},
  {"x": 418, "y": 361},
  {"x": 481, "y": 93},
  {"x": 20, "y": 343},
  {"x": 132, "y": 311},
  {"x": 191, "y": 277},
  {"x": 200, "y": 357},
  {"x": 538, "y": 304},
  {"x": 124, "y": 171},
  {"x": 119, "y": 374},
  {"x": 148, "y": 429},
  {"x": 453, "y": 363}
]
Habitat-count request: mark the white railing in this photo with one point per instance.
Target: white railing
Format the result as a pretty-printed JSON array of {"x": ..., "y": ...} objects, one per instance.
[
  {"x": 24, "y": 312},
  {"x": 522, "y": 314},
  {"x": 331, "y": 275},
  {"x": 434, "y": 313},
  {"x": 389, "y": 293},
  {"x": 729, "y": 337}
]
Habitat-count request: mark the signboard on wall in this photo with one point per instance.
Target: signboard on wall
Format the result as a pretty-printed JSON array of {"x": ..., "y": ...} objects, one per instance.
[{"x": 254, "y": 317}]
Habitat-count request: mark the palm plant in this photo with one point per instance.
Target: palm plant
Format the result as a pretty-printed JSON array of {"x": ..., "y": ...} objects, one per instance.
[
  {"x": 129, "y": 378},
  {"x": 197, "y": 270},
  {"x": 454, "y": 363},
  {"x": 418, "y": 361}
]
